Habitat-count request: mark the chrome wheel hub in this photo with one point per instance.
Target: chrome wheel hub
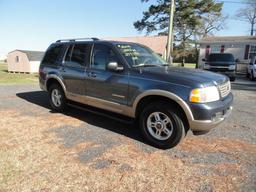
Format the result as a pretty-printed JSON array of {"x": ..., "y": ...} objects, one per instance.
[
  {"x": 159, "y": 126},
  {"x": 56, "y": 97}
]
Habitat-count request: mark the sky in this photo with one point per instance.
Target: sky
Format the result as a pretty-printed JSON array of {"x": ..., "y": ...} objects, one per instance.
[{"x": 35, "y": 24}]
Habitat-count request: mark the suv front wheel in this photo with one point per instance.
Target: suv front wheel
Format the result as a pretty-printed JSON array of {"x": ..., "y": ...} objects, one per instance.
[
  {"x": 57, "y": 98},
  {"x": 162, "y": 125}
]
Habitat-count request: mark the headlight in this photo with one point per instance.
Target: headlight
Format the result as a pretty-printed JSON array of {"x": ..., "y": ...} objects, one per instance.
[
  {"x": 206, "y": 66},
  {"x": 204, "y": 95},
  {"x": 231, "y": 67}
]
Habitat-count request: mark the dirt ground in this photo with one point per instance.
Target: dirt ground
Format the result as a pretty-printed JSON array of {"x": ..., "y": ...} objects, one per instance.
[{"x": 78, "y": 151}]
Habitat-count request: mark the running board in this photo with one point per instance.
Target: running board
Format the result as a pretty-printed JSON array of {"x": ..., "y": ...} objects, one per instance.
[{"x": 101, "y": 112}]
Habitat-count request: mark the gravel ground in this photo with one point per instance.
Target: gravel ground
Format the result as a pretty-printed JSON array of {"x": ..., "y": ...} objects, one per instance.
[{"x": 78, "y": 151}]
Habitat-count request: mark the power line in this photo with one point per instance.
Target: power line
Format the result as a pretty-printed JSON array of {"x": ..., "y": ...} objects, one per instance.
[{"x": 236, "y": 2}]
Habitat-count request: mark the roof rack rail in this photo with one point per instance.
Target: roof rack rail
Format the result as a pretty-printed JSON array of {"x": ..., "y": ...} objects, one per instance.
[{"x": 78, "y": 39}]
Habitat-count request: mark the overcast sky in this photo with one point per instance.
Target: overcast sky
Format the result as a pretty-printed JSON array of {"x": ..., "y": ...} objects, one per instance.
[{"x": 34, "y": 24}]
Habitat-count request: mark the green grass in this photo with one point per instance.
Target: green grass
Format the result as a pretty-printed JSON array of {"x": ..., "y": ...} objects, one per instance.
[
  {"x": 11, "y": 78},
  {"x": 187, "y": 65}
]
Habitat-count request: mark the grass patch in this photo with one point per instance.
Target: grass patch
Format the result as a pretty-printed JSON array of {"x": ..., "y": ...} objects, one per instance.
[
  {"x": 187, "y": 65},
  {"x": 11, "y": 78}
]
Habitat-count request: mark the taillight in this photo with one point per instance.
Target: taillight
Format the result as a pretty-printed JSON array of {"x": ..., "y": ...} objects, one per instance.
[{"x": 41, "y": 73}]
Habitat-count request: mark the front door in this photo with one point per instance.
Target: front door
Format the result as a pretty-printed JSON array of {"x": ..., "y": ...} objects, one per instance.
[{"x": 106, "y": 89}]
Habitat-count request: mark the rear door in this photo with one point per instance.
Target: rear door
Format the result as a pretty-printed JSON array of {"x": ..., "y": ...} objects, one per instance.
[
  {"x": 73, "y": 71},
  {"x": 106, "y": 89}
]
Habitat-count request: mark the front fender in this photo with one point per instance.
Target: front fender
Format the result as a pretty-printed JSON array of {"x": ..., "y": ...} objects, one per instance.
[{"x": 167, "y": 94}]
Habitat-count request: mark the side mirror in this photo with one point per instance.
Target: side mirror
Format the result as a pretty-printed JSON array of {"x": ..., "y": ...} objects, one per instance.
[
  {"x": 203, "y": 59},
  {"x": 113, "y": 66},
  {"x": 237, "y": 60}
]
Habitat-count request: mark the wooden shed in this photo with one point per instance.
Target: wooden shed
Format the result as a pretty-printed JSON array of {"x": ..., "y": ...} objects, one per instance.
[{"x": 24, "y": 61}]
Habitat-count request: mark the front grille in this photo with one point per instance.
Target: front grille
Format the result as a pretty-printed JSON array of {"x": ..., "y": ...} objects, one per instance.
[
  {"x": 224, "y": 89},
  {"x": 218, "y": 69}
]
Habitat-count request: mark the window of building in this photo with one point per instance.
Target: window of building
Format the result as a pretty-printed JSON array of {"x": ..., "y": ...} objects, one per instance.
[
  {"x": 17, "y": 59},
  {"x": 215, "y": 48},
  {"x": 233, "y": 46},
  {"x": 252, "y": 51}
]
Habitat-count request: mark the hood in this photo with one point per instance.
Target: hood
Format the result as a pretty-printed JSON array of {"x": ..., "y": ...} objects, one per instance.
[{"x": 183, "y": 76}]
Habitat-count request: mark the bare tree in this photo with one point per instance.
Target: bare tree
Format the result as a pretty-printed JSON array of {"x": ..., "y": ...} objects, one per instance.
[
  {"x": 211, "y": 24},
  {"x": 248, "y": 14}
]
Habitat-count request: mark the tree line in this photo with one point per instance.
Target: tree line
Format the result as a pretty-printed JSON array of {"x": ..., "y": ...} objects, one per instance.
[{"x": 193, "y": 20}]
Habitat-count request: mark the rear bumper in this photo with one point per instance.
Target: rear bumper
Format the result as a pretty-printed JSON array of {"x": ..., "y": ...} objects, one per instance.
[{"x": 208, "y": 116}]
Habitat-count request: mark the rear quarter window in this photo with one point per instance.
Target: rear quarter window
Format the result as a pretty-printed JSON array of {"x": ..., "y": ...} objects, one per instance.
[{"x": 53, "y": 54}]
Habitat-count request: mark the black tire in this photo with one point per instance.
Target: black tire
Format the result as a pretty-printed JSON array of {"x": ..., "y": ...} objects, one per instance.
[
  {"x": 63, "y": 101},
  {"x": 232, "y": 79},
  {"x": 252, "y": 76},
  {"x": 247, "y": 74},
  {"x": 178, "y": 130}
]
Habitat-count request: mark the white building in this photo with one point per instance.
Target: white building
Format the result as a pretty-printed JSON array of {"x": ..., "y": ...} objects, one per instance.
[
  {"x": 24, "y": 61},
  {"x": 242, "y": 47}
]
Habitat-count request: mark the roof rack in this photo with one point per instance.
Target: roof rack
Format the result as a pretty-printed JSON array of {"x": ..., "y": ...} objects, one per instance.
[{"x": 78, "y": 39}]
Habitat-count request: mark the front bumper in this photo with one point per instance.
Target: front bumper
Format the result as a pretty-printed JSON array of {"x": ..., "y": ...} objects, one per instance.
[
  {"x": 229, "y": 73},
  {"x": 208, "y": 116}
]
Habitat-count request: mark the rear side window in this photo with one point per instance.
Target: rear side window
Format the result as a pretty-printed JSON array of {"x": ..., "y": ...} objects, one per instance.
[
  {"x": 52, "y": 54},
  {"x": 77, "y": 55}
]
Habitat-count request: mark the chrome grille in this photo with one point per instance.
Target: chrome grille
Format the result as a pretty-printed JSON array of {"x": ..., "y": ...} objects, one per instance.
[{"x": 224, "y": 89}]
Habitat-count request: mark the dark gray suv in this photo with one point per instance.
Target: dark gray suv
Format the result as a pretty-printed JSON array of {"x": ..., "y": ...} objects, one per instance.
[
  {"x": 130, "y": 80},
  {"x": 223, "y": 63}
]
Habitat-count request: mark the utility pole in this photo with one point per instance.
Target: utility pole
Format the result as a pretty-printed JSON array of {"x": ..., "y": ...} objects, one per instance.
[{"x": 170, "y": 32}]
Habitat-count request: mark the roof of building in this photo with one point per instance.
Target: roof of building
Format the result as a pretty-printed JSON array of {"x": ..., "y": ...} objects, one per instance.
[
  {"x": 32, "y": 55},
  {"x": 156, "y": 43},
  {"x": 220, "y": 39}
]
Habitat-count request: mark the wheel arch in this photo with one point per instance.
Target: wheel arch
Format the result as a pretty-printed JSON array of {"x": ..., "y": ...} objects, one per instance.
[
  {"x": 156, "y": 95},
  {"x": 54, "y": 79}
]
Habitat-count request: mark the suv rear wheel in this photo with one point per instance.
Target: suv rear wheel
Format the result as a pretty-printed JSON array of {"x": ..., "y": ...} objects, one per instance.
[
  {"x": 57, "y": 98},
  {"x": 162, "y": 125}
]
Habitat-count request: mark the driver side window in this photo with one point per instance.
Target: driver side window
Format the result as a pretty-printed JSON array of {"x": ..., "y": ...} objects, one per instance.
[{"x": 101, "y": 56}]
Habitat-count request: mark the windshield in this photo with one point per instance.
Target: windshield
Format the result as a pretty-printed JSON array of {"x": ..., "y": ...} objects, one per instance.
[
  {"x": 139, "y": 56},
  {"x": 221, "y": 57}
]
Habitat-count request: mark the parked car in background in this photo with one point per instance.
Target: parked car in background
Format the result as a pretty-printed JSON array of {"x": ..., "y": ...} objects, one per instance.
[
  {"x": 251, "y": 69},
  {"x": 129, "y": 79},
  {"x": 223, "y": 63}
]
